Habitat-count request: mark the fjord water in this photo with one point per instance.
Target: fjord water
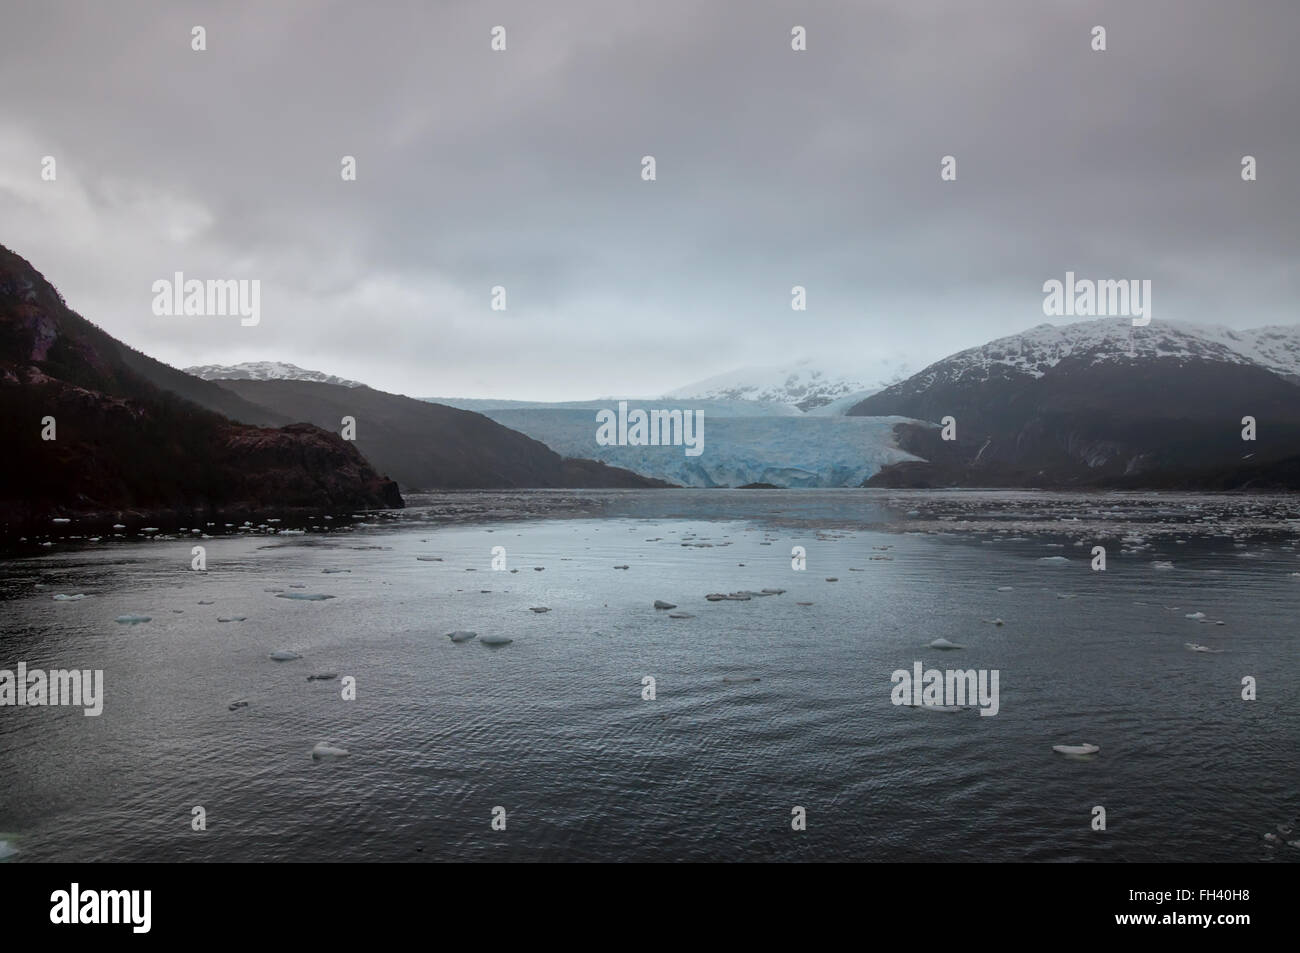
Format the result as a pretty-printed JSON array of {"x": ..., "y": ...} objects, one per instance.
[{"x": 553, "y": 727}]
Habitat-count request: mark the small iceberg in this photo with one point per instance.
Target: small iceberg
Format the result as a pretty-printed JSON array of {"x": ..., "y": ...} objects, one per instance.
[
  {"x": 1162, "y": 564},
  {"x": 1076, "y": 749},
  {"x": 460, "y": 636},
  {"x": 1194, "y": 615},
  {"x": 324, "y": 752},
  {"x": 994, "y": 621},
  {"x": 495, "y": 640},
  {"x": 660, "y": 604},
  {"x": 944, "y": 644},
  {"x": 303, "y": 596},
  {"x": 1194, "y": 647},
  {"x": 63, "y": 597},
  {"x": 283, "y": 655},
  {"x": 132, "y": 619},
  {"x": 1053, "y": 560}
]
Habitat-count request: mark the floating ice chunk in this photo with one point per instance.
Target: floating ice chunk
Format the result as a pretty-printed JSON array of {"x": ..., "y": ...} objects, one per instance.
[
  {"x": 540, "y": 609},
  {"x": 1195, "y": 615},
  {"x": 944, "y": 644},
  {"x": 994, "y": 621},
  {"x": 1076, "y": 749},
  {"x": 283, "y": 655},
  {"x": 236, "y": 705},
  {"x": 7, "y": 850},
  {"x": 1053, "y": 560},
  {"x": 62, "y": 519},
  {"x": 680, "y": 615},
  {"x": 324, "y": 752},
  {"x": 495, "y": 639},
  {"x": 132, "y": 619},
  {"x": 303, "y": 596},
  {"x": 660, "y": 604},
  {"x": 1162, "y": 564},
  {"x": 62, "y": 597},
  {"x": 460, "y": 636},
  {"x": 119, "y": 526},
  {"x": 1194, "y": 647},
  {"x": 1006, "y": 588}
]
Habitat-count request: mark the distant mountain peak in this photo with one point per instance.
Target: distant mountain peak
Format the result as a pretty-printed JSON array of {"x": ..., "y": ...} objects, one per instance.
[
  {"x": 808, "y": 384},
  {"x": 265, "y": 371}
]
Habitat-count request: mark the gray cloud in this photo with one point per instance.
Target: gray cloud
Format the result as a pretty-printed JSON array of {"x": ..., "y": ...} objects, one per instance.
[{"x": 522, "y": 169}]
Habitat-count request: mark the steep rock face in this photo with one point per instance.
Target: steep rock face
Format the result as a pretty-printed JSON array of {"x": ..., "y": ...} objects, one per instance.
[{"x": 124, "y": 443}]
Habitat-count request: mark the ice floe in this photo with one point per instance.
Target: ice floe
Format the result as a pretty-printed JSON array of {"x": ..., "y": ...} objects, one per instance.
[
  {"x": 324, "y": 752},
  {"x": 1076, "y": 749}
]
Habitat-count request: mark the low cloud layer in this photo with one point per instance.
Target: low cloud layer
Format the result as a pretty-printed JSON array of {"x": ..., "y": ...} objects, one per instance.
[{"x": 522, "y": 168}]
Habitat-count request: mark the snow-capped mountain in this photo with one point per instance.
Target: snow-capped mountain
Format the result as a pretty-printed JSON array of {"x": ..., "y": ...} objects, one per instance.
[
  {"x": 1115, "y": 340},
  {"x": 807, "y": 384},
  {"x": 1103, "y": 400},
  {"x": 265, "y": 371},
  {"x": 1276, "y": 347}
]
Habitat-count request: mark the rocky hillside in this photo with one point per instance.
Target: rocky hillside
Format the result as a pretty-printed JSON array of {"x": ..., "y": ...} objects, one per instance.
[{"x": 129, "y": 438}]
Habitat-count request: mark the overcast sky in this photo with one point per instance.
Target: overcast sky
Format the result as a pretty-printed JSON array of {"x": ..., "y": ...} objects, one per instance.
[{"x": 523, "y": 169}]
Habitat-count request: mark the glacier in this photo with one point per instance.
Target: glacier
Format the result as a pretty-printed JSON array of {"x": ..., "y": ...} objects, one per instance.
[{"x": 744, "y": 442}]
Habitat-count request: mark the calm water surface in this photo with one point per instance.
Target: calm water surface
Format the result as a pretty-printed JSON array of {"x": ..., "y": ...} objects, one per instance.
[{"x": 553, "y": 727}]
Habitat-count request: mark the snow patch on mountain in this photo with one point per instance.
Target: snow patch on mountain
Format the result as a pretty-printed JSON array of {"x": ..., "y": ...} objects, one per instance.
[
  {"x": 807, "y": 384},
  {"x": 1112, "y": 340},
  {"x": 265, "y": 371}
]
